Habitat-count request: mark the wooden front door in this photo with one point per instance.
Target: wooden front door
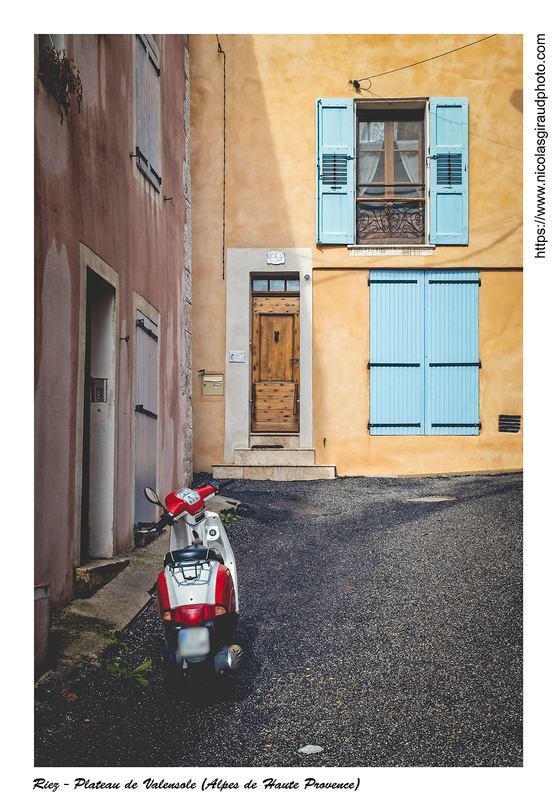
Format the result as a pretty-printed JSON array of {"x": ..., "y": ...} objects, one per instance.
[{"x": 275, "y": 363}]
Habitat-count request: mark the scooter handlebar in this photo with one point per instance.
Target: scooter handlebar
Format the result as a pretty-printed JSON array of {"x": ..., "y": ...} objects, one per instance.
[
  {"x": 223, "y": 484},
  {"x": 167, "y": 519}
]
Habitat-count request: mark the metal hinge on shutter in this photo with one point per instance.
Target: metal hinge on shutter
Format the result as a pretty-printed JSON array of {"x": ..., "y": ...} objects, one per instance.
[
  {"x": 457, "y": 425},
  {"x": 395, "y": 364},
  {"x": 157, "y": 177},
  {"x": 390, "y": 281},
  {"x": 393, "y": 425},
  {"x": 155, "y": 65},
  {"x": 456, "y": 281},
  {"x": 455, "y": 364},
  {"x": 139, "y": 408},
  {"x": 141, "y": 324}
]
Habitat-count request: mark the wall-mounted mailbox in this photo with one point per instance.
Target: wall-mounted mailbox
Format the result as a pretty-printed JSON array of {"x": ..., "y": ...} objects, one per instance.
[
  {"x": 99, "y": 390},
  {"x": 213, "y": 384}
]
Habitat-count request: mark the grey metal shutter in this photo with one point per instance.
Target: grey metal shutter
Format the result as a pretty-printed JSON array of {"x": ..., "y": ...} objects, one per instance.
[
  {"x": 146, "y": 415},
  {"x": 148, "y": 112}
]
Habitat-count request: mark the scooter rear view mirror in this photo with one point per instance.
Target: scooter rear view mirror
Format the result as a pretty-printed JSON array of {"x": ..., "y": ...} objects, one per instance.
[{"x": 152, "y": 496}]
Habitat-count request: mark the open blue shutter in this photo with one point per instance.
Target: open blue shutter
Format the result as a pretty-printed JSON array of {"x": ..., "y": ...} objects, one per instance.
[
  {"x": 451, "y": 352},
  {"x": 396, "y": 352},
  {"x": 448, "y": 151},
  {"x": 335, "y": 213}
]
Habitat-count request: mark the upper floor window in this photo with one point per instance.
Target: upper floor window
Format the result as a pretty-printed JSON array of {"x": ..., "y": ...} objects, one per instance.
[
  {"x": 390, "y": 187},
  {"x": 381, "y": 182},
  {"x": 148, "y": 109}
]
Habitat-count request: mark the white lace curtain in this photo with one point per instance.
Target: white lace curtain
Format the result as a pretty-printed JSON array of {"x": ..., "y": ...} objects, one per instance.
[{"x": 372, "y": 138}]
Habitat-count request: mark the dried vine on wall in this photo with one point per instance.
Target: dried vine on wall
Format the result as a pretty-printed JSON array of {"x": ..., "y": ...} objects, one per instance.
[{"x": 61, "y": 78}]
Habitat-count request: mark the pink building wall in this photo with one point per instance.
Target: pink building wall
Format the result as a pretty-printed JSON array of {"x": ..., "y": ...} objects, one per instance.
[{"x": 90, "y": 198}]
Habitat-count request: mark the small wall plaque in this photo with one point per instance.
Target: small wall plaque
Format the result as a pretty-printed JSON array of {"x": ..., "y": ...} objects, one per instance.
[
  {"x": 237, "y": 356},
  {"x": 275, "y": 257}
]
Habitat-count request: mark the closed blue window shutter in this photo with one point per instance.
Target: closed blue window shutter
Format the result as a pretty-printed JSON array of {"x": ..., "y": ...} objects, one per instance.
[
  {"x": 448, "y": 151},
  {"x": 396, "y": 352},
  {"x": 451, "y": 353},
  {"x": 335, "y": 213},
  {"x": 424, "y": 352}
]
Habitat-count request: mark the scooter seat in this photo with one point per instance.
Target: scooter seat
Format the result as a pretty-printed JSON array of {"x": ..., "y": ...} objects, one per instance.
[{"x": 193, "y": 553}]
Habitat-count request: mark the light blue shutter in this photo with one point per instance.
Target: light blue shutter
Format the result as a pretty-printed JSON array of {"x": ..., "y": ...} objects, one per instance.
[
  {"x": 396, "y": 352},
  {"x": 451, "y": 352},
  {"x": 335, "y": 213},
  {"x": 448, "y": 159}
]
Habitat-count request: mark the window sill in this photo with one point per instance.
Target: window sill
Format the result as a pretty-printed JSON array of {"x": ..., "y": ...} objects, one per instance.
[{"x": 391, "y": 250}]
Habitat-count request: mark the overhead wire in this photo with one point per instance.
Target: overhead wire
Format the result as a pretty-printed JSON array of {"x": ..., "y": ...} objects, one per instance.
[{"x": 357, "y": 83}]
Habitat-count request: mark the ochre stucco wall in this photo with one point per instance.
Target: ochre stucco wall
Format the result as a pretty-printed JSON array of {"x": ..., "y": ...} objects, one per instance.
[
  {"x": 341, "y": 385},
  {"x": 272, "y": 82}
]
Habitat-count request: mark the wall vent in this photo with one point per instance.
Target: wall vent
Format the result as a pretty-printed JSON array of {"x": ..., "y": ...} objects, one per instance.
[{"x": 509, "y": 423}]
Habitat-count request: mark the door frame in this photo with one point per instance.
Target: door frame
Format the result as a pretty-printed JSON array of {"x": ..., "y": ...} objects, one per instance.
[
  {"x": 240, "y": 264},
  {"x": 90, "y": 260}
]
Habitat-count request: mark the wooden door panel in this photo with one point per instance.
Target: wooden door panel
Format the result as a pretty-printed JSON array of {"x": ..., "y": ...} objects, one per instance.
[
  {"x": 275, "y": 406},
  {"x": 277, "y": 347},
  {"x": 275, "y": 363},
  {"x": 275, "y": 395},
  {"x": 276, "y": 305}
]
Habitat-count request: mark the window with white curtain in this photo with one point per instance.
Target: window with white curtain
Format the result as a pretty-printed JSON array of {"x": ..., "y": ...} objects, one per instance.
[{"x": 390, "y": 184}]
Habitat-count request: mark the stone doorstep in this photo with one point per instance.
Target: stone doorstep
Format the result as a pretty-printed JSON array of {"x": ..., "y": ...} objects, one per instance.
[
  {"x": 278, "y": 440},
  {"x": 274, "y": 472},
  {"x": 95, "y": 574},
  {"x": 279, "y": 457}
]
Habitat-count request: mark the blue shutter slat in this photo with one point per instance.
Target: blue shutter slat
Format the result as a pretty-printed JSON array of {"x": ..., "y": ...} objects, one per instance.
[
  {"x": 335, "y": 215},
  {"x": 451, "y": 353},
  {"x": 396, "y": 353},
  {"x": 448, "y": 151}
]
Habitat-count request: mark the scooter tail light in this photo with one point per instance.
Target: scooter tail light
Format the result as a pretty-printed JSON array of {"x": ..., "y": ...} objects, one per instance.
[{"x": 194, "y": 614}]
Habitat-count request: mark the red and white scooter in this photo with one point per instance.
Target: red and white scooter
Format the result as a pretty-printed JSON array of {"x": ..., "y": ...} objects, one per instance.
[{"x": 197, "y": 592}]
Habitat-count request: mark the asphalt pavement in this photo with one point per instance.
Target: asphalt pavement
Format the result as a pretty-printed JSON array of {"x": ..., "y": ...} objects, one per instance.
[{"x": 381, "y": 620}]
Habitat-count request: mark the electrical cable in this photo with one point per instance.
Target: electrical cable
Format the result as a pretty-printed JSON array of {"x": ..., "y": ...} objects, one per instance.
[
  {"x": 220, "y": 50},
  {"x": 356, "y": 84}
]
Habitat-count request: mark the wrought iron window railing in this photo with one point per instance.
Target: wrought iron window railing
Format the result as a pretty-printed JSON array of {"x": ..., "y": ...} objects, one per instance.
[{"x": 390, "y": 220}]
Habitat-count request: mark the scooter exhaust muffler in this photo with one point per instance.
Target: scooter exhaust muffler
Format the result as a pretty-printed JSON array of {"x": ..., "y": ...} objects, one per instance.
[{"x": 228, "y": 659}]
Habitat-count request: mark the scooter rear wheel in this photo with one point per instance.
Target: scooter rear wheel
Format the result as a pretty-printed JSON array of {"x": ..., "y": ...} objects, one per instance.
[{"x": 203, "y": 674}]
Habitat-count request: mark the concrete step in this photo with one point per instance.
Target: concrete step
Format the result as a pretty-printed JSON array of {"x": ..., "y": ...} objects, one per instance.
[
  {"x": 310, "y": 472},
  {"x": 278, "y": 440},
  {"x": 96, "y": 573},
  {"x": 280, "y": 457}
]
